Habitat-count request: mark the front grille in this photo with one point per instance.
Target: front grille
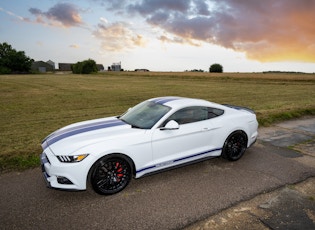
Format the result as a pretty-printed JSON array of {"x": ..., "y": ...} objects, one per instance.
[{"x": 44, "y": 159}]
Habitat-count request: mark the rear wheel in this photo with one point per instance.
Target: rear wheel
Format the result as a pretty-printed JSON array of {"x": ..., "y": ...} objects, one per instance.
[
  {"x": 110, "y": 175},
  {"x": 235, "y": 145}
]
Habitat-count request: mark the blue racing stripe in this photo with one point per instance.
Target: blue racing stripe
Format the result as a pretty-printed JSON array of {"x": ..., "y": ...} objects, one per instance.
[
  {"x": 163, "y": 100},
  {"x": 67, "y": 130},
  {"x": 179, "y": 159},
  {"x": 198, "y": 154},
  {"x": 80, "y": 129},
  {"x": 144, "y": 169}
]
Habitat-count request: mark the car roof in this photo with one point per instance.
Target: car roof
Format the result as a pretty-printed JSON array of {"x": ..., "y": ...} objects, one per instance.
[{"x": 181, "y": 102}]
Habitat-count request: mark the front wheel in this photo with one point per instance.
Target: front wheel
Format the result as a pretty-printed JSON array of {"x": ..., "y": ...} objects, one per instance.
[
  {"x": 234, "y": 146},
  {"x": 110, "y": 175}
]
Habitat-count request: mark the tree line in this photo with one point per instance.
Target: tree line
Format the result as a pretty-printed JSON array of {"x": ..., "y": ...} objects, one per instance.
[{"x": 12, "y": 61}]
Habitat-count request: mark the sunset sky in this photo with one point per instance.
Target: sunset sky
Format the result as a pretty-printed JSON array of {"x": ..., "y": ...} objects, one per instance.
[{"x": 165, "y": 35}]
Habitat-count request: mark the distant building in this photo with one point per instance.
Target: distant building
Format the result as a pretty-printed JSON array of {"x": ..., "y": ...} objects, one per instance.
[
  {"x": 65, "y": 66},
  {"x": 42, "y": 67},
  {"x": 116, "y": 66},
  {"x": 100, "y": 67},
  {"x": 142, "y": 70},
  {"x": 50, "y": 62}
]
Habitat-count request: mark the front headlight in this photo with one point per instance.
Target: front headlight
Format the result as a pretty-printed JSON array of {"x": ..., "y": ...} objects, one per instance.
[{"x": 72, "y": 159}]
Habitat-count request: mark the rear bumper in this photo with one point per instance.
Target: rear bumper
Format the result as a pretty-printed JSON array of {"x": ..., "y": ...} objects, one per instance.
[{"x": 253, "y": 139}]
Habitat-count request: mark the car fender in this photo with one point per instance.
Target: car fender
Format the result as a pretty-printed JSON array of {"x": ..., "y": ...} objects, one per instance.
[{"x": 138, "y": 150}]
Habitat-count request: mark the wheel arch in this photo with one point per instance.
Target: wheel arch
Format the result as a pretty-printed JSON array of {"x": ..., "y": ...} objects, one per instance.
[
  {"x": 112, "y": 155},
  {"x": 235, "y": 131},
  {"x": 224, "y": 154}
]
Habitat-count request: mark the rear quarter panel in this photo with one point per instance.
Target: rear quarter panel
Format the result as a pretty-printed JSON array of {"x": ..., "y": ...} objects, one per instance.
[{"x": 237, "y": 119}]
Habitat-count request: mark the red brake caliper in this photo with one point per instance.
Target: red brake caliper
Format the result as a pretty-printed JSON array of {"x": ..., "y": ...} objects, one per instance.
[{"x": 119, "y": 170}]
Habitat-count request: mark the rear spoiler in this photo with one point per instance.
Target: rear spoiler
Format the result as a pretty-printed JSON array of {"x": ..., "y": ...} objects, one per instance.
[{"x": 240, "y": 108}]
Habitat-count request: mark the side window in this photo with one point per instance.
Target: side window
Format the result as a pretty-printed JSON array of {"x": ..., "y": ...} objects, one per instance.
[
  {"x": 213, "y": 112},
  {"x": 194, "y": 114},
  {"x": 189, "y": 115}
]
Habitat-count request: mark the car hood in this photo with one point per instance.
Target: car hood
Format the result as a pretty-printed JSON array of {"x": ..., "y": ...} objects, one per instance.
[{"x": 73, "y": 137}]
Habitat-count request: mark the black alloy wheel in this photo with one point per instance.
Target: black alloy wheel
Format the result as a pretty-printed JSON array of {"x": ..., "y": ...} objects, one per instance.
[
  {"x": 235, "y": 145},
  {"x": 110, "y": 175}
]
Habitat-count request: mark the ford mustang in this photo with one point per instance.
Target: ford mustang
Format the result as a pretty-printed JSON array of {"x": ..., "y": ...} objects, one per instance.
[{"x": 155, "y": 135}]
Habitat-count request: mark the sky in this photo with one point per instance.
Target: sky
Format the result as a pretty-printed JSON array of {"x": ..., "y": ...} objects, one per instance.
[{"x": 165, "y": 35}]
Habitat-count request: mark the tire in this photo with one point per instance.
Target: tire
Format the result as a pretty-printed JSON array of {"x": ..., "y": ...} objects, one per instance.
[
  {"x": 110, "y": 175},
  {"x": 235, "y": 145}
]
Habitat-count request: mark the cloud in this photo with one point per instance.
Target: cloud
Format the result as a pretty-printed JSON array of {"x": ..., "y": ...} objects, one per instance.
[
  {"x": 265, "y": 30},
  {"x": 147, "y": 7},
  {"x": 14, "y": 15},
  {"x": 62, "y": 14},
  {"x": 178, "y": 40},
  {"x": 117, "y": 37},
  {"x": 103, "y": 20},
  {"x": 75, "y": 46}
]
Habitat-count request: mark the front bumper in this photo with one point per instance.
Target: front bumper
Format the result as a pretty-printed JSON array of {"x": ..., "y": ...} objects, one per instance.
[
  {"x": 43, "y": 161},
  {"x": 69, "y": 176}
]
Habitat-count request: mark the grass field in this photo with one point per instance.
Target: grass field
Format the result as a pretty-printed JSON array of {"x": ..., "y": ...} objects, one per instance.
[{"x": 32, "y": 106}]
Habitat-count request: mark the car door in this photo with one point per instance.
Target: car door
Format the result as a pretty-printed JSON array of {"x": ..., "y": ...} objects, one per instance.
[{"x": 192, "y": 140}]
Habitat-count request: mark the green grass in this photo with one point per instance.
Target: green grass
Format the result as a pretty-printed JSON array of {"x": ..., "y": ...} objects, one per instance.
[{"x": 33, "y": 106}]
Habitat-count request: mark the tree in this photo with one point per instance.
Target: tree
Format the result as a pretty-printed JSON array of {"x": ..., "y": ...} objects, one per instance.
[
  {"x": 216, "y": 68},
  {"x": 84, "y": 67},
  {"x": 13, "y": 61}
]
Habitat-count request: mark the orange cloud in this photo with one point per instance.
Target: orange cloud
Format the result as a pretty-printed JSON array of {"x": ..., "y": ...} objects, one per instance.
[
  {"x": 75, "y": 46},
  {"x": 117, "y": 37},
  {"x": 288, "y": 34},
  {"x": 62, "y": 14},
  {"x": 265, "y": 30}
]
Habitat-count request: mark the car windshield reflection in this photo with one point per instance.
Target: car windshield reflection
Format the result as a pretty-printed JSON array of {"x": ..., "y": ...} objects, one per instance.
[{"x": 145, "y": 115}]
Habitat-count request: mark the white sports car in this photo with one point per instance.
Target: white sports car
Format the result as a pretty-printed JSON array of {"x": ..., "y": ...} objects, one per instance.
[{"x": 154, "y": 135}]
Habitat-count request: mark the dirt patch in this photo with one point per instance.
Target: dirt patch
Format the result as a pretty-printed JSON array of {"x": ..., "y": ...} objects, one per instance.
[
  {"x": 307, "y": 147},
  {"x": 291, "y": 206}
]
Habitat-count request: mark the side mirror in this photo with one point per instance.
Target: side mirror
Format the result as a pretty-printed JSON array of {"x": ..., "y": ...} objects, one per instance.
[{"x": 171, "y": 125}]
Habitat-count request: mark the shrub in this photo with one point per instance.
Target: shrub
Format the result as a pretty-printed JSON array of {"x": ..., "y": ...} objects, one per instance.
[
  {"x": 84, "y": 67},
  {"x": 216, "y": 68}
]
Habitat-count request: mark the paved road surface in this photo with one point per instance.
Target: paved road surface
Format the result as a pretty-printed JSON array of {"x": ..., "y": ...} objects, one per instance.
[
  {"x": 171, "y": 200},
  {"x": 289, "y": 207}
]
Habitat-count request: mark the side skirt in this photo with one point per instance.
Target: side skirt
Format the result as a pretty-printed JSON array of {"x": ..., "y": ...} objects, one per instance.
[{"x": 177, "y": 166}]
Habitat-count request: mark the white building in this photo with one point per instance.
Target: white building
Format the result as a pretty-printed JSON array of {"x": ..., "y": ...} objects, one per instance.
[{"x": 116, "y": 66}]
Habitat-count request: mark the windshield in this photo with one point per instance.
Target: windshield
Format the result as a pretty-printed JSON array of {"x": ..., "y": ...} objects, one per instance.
[{"x": 145, "y": 115}]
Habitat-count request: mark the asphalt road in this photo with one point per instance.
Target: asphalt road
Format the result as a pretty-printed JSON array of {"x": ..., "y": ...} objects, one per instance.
[{"x": 171, "y": 200}]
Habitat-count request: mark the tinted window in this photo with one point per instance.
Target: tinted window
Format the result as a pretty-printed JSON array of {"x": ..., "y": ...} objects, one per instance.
[
  {"x": 213, "y": 112},
  {"x": 145, "y": 114},
  {"x": 194, "y": 114}
]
